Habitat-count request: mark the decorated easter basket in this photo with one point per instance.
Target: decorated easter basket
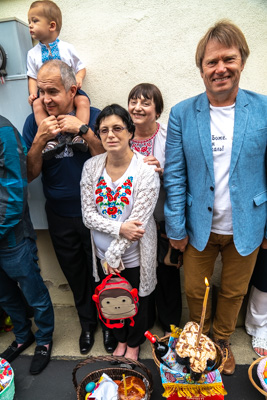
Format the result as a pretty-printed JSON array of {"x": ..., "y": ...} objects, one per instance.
[
  {"x": 262, "y": 362},
  {"x": 9, "y": 390},
  {"x": 114, "y": 373},
  {"x": 220, "y": 358}
]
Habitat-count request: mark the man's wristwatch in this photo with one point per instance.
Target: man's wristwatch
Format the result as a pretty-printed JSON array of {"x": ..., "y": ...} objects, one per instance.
[{"x": 83, "y": 130}]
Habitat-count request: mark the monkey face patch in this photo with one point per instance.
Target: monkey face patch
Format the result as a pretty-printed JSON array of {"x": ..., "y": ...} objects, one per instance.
[
  {"x": 116, "y": 301},
  {"x": 117, "y": 307}
]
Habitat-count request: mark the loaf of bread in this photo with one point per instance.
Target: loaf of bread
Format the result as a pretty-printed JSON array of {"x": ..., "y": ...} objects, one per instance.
[
  {"x": 186, "y": 347},
  {"x": 136, "y": 389}
]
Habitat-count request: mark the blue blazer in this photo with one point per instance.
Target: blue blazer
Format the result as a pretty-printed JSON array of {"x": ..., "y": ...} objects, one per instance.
[{"x": 189, "y": 174}]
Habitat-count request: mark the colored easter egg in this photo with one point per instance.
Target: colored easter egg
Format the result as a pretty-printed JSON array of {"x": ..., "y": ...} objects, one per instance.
[
  {"x": 211, "y": 376},
  {"x": 265, "y": 380},
  {"x": 90, "y": 387},
  {"x": 265, "y": 374}
]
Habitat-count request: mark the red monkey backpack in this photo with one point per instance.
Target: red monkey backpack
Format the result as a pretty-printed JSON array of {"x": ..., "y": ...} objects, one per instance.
[{"x": 116, "y": 300}]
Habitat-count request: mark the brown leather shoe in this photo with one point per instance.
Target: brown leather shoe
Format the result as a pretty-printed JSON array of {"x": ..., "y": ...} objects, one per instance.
[{"x": 229, "y": 366}]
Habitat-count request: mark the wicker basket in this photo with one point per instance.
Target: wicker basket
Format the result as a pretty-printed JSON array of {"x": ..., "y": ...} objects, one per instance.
[
  {"x": 9, "y": 391},
  {"x": 114, "y": 373},
  {"x": 220, "y": 359},
  {"x": 251, "y": 378}
]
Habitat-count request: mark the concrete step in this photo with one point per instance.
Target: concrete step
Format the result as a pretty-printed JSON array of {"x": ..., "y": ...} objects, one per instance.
[{"x": 67, "y": 332}]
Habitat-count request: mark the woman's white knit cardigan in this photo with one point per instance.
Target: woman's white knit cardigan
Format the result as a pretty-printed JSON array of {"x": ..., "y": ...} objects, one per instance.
[{"x": 146, "y": 190}]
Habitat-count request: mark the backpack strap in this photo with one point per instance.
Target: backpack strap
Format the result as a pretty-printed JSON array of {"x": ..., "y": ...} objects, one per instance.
[
  {"x": 103, "y": 283},
  {"x": 117, "y": 325},
  {"x": 108, "y": 324}
]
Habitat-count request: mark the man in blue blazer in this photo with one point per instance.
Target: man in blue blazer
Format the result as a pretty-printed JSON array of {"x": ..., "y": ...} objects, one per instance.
[{"x": 215, "y": 180}]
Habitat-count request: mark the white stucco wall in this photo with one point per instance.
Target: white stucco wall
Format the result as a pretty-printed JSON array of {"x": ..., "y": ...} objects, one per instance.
[{"x": 125, "y": 42}]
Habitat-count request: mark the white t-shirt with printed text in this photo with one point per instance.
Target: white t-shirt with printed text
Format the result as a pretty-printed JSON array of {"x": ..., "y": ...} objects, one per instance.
[{"x": 222, "y": 129}]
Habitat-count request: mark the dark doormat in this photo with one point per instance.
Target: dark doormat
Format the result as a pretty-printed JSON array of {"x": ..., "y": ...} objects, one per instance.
[{"x": 55, "y": 382}]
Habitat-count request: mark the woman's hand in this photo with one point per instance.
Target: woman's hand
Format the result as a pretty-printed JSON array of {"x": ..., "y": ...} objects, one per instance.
[
  {"x": 113, "y": 271},
  {"x": 131, "y": 230},
  {"x": 151, "y": 160}
]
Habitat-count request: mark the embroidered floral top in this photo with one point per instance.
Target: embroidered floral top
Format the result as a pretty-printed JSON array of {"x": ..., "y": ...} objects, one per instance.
[
  {"x": 145, "y": 147},
  {"x": 57, "y": 50},
  {"x": 53, "y": 54},
  {"x": 114, "y": 200},
  {"x": 155, "y": 145}
]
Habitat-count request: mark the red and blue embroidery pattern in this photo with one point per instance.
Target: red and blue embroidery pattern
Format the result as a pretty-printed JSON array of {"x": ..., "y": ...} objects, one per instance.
[
  {"x": 145, "y": 147},
  {"x": 112, "y": 202}
]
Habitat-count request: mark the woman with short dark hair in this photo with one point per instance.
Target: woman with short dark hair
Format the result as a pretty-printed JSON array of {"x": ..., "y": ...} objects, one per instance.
[
  {"x": 119, "y": 192},
  {"x": 145, "y": 105}
]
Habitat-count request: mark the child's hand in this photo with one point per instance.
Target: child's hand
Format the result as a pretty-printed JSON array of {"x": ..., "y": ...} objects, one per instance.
[
  {"x": 79, "y": 82},
  {"x": 31, "y": 98}
]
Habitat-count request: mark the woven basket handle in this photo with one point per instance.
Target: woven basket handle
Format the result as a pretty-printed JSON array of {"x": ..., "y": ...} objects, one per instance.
[
  {"x": 224, "y": 358},
  {"x": 251, "y": 378},
  {"x": 92, "y": 359}
]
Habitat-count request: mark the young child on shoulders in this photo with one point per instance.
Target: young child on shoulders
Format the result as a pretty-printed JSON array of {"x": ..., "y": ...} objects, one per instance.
[{"x": 45, "y": 21}]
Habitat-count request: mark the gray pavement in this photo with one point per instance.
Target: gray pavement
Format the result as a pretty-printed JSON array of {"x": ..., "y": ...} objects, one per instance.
[{"x": 55, "y": 382}]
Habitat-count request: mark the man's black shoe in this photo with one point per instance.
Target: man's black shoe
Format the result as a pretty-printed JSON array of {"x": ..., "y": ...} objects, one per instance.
[
  {"x": 86, "y": 341},
  {"x": 109, "y": 340},
  {"x": 13, "y": 350},
  {"x": 40, "y": 359}
]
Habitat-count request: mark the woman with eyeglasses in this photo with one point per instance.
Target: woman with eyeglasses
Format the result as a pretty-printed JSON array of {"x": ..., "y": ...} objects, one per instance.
[
  {"x": 119, "y": 193},
  {"x": 145, "y": 105}
]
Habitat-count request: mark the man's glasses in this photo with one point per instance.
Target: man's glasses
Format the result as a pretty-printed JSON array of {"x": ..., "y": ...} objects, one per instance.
[{"x": 115, "y": 129}]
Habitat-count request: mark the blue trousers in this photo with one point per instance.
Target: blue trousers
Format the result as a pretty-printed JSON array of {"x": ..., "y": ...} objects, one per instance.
[{"x": 18, "y": 265}]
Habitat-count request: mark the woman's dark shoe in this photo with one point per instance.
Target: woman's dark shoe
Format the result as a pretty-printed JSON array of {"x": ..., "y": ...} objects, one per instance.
[
  {"x": 109, "y": 341},
  {"x": 86, "y": 341}
]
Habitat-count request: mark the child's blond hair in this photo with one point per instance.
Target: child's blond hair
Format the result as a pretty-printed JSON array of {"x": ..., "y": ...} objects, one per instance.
[{"x": 50, "y": 11}]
